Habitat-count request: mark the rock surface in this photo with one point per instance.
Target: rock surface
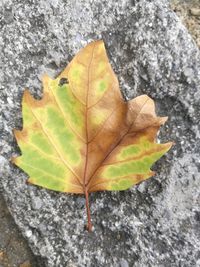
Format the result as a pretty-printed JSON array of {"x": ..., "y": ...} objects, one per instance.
[
  {"x": 153, "y": 224},
  {"x": 189, "y": 12}
]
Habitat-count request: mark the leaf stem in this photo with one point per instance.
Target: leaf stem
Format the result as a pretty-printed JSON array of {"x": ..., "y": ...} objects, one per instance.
[{"x": 89, "y": 223}]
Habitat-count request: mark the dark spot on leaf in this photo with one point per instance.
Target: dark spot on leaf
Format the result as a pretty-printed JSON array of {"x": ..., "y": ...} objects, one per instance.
[{"x": 63, "y": 81}]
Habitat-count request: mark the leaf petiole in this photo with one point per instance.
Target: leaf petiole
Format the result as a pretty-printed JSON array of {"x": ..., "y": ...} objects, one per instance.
[{"x": 89, "y": 223}]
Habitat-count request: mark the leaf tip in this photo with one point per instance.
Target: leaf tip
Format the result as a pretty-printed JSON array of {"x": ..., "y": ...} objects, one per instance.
[
  {"x": 29, "y": 181},
  {"x": 97, "y": 42},
  {"x": 20, "y": 135},
  {"x": 45, "y": 81},
  {"x": 26, "y": 96},
  {"x": 98, "y": 45},
  {"x": 162, "y": 120},
  {"x": 14, "y": 160},
  {"x": 170, "y": 145},
  {"x": 16, "y": 133}
]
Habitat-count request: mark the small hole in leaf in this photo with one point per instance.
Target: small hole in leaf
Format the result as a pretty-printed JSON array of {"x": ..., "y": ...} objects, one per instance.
[{"x": 63, "y": 81}]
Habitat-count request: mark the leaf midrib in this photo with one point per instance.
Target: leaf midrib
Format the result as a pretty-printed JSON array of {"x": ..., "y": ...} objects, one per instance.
[{"x": 86, "y": 120}]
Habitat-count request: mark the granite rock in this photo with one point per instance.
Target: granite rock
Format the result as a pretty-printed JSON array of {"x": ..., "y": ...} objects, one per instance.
[{"x": 153, "y": 224}]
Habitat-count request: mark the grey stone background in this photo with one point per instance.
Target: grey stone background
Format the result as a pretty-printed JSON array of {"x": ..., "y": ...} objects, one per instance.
[{"x": 153, "y": 224}]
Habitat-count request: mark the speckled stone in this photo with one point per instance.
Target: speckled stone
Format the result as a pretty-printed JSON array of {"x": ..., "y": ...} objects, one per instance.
[{"x": 153, "y": 224}]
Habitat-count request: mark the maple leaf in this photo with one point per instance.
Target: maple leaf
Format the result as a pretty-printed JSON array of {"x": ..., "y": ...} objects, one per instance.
[{"x": 82, "y": 137}]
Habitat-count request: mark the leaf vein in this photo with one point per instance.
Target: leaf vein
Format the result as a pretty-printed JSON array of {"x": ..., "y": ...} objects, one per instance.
[
  {"x": 43, "y": 171},
  {"x": 108, "y": 154}
]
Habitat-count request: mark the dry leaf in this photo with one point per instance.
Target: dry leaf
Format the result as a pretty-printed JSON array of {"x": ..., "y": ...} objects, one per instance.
[
  {"x": 82, "y": 137},
  {"x": 1, "y": 254},
  {"x": 25, "y": 264}
]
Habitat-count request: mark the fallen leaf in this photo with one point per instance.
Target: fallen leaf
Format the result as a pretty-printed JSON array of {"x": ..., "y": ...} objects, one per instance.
[
  {"x": 1, "y": 255},
  {"x": 25, "y": 264},
  {"x": 82, "y": 137}
]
